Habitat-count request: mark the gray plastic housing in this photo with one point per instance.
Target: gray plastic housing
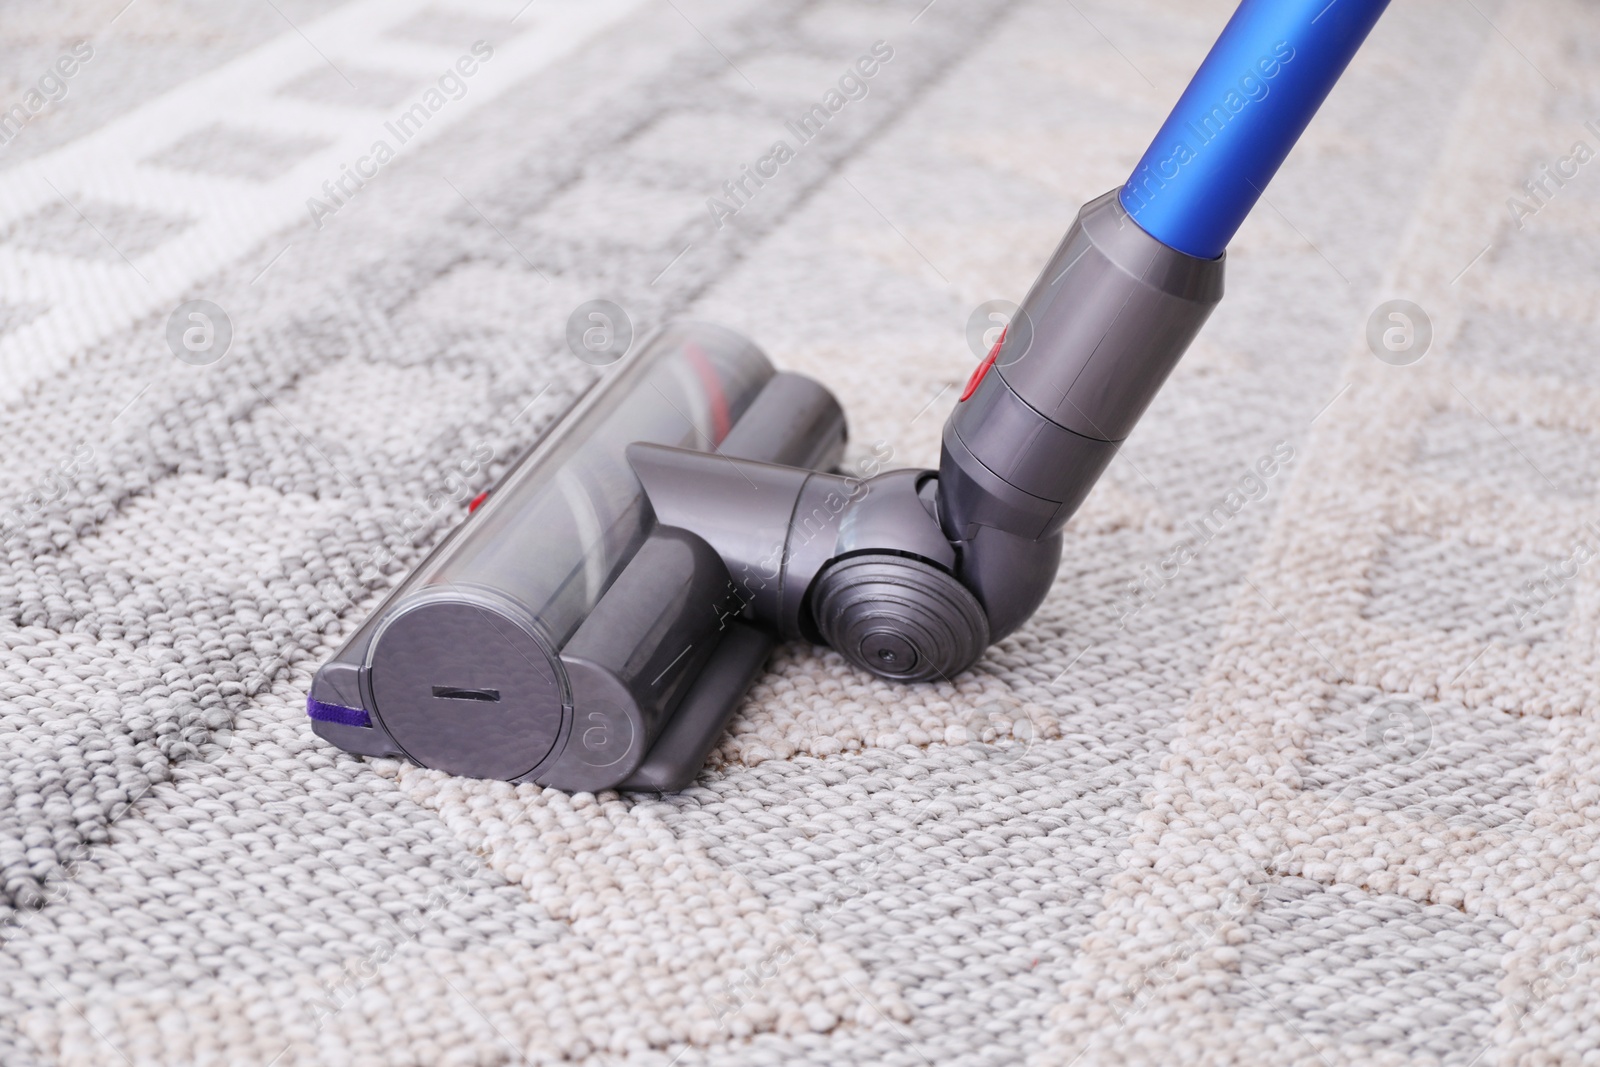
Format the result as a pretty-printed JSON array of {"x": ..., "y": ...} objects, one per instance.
[
  {"x": 560, "y": 635},
  {"x": 597, "y": 623},
  {"x": 782, "y": 531},
  {"x": 1107, "y": 320}
]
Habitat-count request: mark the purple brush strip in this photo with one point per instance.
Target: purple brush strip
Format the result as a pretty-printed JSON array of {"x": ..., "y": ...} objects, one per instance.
[{"x": 338, "y": 713}]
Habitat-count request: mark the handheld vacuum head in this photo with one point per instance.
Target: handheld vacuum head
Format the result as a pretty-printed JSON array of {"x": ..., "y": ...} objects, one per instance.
[
  {"x": 597, "y": 621},
  {"x": 562, "y": 634}
]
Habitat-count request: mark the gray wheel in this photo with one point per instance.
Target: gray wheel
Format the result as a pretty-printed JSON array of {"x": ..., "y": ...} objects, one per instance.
[{"x": 899, "y": 618}]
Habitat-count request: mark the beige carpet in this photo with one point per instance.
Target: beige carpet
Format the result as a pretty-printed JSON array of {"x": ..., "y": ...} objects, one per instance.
[{"x": 1327, "y": 793}]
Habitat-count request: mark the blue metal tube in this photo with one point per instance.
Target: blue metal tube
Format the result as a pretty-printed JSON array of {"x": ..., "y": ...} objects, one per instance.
[{"x": 1267, "y": 75}]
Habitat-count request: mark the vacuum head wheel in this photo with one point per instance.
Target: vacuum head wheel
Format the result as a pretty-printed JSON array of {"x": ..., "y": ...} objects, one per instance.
[{"x": 899, "y": 618}]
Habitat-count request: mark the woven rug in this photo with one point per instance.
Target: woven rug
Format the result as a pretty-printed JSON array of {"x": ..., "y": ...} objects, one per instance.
[{"x": 1297, "y": 764}]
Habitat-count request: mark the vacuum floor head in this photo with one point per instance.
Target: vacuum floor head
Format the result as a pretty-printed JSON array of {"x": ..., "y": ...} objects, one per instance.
[
  {"x": 562, "y": 634},
  {"x": 596, "y": 622}
]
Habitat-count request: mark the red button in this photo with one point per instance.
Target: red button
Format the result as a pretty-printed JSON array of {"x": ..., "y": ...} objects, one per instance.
[{"x": 983, "y": 368}]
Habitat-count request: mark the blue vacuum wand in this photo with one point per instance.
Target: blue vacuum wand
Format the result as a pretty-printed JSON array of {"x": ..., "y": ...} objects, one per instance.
[
  {"x": 1245, "y": 108},
  {"x": 1138, "y": 274},
  {"x": 597, "y": 621}
]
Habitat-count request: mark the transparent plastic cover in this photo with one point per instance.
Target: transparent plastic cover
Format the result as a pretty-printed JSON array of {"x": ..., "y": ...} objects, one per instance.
[{"x": 556, "y": 530}]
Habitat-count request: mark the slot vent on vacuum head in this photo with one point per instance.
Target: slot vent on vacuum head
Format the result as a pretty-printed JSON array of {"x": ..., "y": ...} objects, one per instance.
[{"x": 453, "y": 692}]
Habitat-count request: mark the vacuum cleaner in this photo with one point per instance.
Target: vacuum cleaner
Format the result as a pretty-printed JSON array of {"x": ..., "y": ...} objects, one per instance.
[{"x": 596, "y": 622}]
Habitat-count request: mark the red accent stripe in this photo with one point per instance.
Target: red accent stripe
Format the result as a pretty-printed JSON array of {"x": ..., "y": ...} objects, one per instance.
[
  {"x": 721, "y": 421},
  {"x": 477, "y": 501},
  {"x": 983, "y": 368}
]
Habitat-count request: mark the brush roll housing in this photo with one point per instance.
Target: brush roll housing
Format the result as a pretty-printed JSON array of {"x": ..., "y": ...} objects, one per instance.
[{"x": 561, "y": 635}]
